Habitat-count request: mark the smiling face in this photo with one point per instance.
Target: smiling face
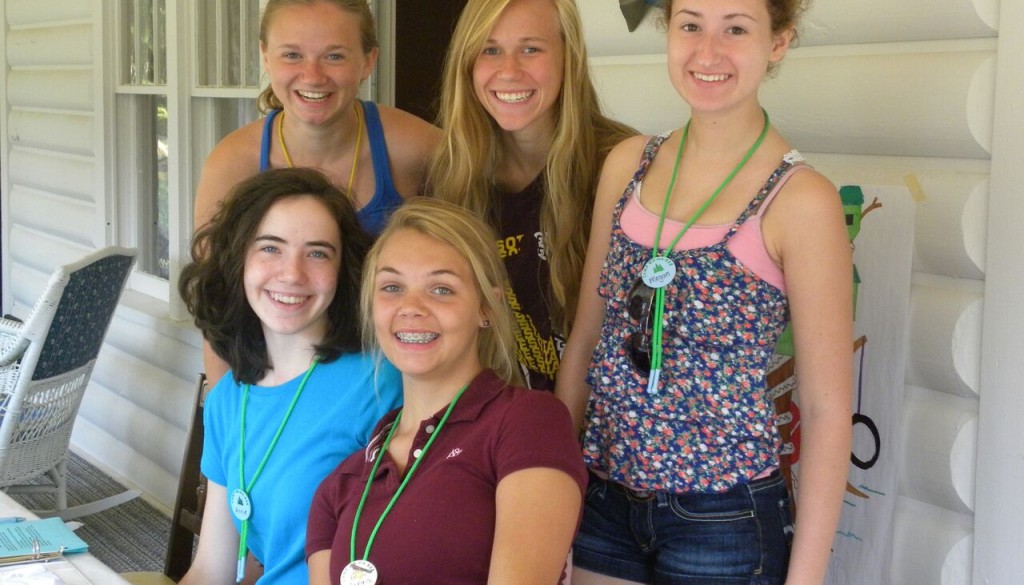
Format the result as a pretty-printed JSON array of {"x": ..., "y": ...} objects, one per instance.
[
  {"x": 427, "y": 311},
  {"x": 291, "y": 270},
  {"x": 719, "y": 51},
  {"x": 314, "y": 57},
  {"x": 518, "y": 75}
]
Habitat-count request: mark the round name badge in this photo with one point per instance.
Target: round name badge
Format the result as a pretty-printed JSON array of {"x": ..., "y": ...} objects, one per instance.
[
  {"x": 360, "y": 572},
  {"x": 658, "y": 272},
  {"x": 241, "y": 505}
]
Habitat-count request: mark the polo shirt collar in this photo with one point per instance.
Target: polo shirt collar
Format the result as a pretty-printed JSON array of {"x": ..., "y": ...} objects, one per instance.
[{"x": 484, "y": 388}]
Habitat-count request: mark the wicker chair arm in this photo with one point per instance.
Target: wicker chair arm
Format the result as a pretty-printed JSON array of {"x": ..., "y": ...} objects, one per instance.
[
  {"x": 10, "y": 336},
  {"x": 10, "y": 326}
]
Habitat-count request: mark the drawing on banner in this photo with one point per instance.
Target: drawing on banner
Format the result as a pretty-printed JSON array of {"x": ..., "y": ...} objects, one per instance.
[
  {"x": 883, "y": 255},
  {"x": 782, "y": 376}
]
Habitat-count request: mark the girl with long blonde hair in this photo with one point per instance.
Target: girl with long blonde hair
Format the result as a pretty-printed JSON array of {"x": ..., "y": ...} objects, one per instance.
[{"x": 524, "y": 140}]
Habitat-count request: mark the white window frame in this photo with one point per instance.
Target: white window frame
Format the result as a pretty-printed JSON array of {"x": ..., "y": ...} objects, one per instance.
[{"x": 197, "y": 120}]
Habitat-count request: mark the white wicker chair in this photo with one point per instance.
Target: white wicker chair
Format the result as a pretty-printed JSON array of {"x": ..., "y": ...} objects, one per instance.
[{"x": 45, "y": 365}]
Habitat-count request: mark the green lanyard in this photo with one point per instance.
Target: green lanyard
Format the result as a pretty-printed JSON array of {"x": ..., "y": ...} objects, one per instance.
[
  {"x": 241, "y": 502},
  {"x": 401, "y": 487},
  {"x": 660, "y": 262}
]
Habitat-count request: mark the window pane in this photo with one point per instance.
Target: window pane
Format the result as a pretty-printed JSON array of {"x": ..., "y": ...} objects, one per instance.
[
  {"x": 250, "y": 43},
  {"x": 155, "y": 229},
  {"x": 130, "y": 57},
  {"x": 206, "y": 37},
  {"x": 228, "y": 44},
  {"x": 160, "y": 42},
  {"x": 144, "y": 45},
  {"x": 232, "y": 44},
  {"x": 143, "y": 74}
]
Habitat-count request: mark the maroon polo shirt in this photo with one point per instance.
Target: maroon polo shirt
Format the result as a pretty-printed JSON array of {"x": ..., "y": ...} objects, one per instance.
[{"x": 441, "y": 529}]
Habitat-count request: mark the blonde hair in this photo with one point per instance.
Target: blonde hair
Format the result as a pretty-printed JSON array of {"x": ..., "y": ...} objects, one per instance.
[
  {"x": 465, "y": 164},
  {"x": 267, "y": 101},
  {"x": 474, "y": 241}
]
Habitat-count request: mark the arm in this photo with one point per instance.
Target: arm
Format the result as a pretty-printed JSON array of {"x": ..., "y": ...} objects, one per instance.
[
  {"x": 411, "y": 142},
  {"x": 571, "y": 386},
  {"x": 9, "y": 333},
  {"x": 322, "y": 529},
  {"x": 809, "y": 236},
  {"x": 537, "y": 512},
  {"x": 217, "y": 554},
  {"x": 320, "y": 567}
]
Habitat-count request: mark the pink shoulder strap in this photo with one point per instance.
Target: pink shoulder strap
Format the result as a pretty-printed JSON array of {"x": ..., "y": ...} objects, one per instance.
[{"x": 779, "y": 185}]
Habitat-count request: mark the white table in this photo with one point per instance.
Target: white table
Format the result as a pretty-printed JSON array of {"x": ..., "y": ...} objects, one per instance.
[{"x": 88, "y": 565}]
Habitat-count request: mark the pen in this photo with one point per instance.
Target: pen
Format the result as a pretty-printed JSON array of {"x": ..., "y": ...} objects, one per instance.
[{"x": 11, "y": 519}]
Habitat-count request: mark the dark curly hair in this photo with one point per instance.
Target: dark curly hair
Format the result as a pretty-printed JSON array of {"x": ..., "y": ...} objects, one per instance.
[{"x": 212, "y": 284}]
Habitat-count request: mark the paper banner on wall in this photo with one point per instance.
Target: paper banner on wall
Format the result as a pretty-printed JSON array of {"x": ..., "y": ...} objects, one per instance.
[{"x": 880, "y": 221}]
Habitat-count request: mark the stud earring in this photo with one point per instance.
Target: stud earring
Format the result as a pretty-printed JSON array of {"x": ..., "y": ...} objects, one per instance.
[{"x": 486, "y": 323}]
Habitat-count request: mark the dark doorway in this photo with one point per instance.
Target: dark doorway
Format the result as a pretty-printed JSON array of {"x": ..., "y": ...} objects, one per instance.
[{"x": 422, "y": 31}]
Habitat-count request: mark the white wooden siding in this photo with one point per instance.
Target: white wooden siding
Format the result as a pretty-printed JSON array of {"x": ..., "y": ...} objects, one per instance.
[
  {"x": 999, "y": 509},
  {"x": 58, "y": 204}
]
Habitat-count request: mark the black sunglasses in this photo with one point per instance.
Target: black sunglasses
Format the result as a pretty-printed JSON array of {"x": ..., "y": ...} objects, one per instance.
[{"x": 639, "y": 306}]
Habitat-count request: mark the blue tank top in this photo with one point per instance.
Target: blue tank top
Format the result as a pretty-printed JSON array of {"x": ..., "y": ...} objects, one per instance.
[{"x": 386, "y": 198}]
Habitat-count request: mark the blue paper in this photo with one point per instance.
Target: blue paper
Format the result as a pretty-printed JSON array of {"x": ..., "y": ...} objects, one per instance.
[{"x": 17, "y": 539}]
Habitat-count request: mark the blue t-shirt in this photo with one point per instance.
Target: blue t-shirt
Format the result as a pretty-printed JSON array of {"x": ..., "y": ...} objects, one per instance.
[{"x": 333, "y": 418}]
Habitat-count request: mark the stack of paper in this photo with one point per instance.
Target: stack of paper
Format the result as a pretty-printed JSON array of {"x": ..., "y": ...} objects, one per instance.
[
  {"x": 58, "y": 572},
  {"x": 37, "y": 539}
]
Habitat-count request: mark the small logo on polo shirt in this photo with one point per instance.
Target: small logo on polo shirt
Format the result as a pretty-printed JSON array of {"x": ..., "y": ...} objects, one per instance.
[{"x": 455, "y": 453}]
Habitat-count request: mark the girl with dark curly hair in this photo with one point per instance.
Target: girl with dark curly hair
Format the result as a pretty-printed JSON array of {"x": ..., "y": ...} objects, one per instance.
[{"x": 274, "y": 287}]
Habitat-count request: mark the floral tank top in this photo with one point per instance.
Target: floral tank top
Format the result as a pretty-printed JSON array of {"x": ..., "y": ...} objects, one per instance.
[{"x": 710, "y": 424}]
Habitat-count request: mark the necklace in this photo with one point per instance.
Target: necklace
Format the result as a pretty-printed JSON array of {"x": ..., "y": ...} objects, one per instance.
[
  {"x": 660, "y": 270},
  {"x": 241, "y": 502},
  {"x": 355, "y": 153},
  {"x": 362, "y": 571}
]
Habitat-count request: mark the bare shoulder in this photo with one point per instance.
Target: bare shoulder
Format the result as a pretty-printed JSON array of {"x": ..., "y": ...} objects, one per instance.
[
  {"x": 238, "y": 152},
  {"x": 806, "y": 214},
  {"x": 406, "y": 132},
  {"x": 619, "y": 166},
  {"x": 235, "y": 158},
  {"x": 410, "y": 143},
  {"x": 629, "y": 149},
  {"x": 807, "y": 196}
]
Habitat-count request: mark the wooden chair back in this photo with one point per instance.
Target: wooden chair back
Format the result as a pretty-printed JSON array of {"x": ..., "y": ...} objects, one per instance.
[
  {"x": 189, "y": 503},
  {"x": 191, "y": 496}
]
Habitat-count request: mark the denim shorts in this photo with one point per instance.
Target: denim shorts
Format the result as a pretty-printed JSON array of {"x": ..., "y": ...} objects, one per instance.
[{"x": 740, "y": 536}]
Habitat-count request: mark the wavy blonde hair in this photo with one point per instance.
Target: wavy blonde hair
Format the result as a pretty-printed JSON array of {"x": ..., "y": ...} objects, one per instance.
[
  {"x": 473, "y": 240},
  {"x": 465, "y": 164},
  {"x": 267, "y": 101}
]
